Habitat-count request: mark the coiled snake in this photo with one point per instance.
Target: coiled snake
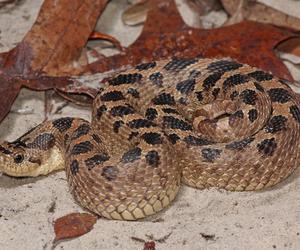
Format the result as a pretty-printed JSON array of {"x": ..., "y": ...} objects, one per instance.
[{"x": 205, "y": 122}]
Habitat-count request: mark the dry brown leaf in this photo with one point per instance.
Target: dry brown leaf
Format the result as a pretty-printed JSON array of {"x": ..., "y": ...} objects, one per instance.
[
  {"x": 73, "y": 225},
  {"x": 255, "y": 11},
  {"x": 51, "y": 48}
]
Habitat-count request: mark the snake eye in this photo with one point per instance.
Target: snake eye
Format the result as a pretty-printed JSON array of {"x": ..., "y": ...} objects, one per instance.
[{"x": 18, "y": 158}]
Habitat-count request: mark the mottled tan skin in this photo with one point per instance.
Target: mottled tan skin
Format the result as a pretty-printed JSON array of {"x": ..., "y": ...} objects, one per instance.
[{"x": 205, "y": 122}]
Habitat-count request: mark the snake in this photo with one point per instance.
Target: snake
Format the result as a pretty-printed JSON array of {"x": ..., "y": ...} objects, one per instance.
[{"x": 203, "y": 122}]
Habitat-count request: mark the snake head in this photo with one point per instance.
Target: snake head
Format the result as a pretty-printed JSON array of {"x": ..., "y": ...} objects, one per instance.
[{"x": 17, "y": 159}]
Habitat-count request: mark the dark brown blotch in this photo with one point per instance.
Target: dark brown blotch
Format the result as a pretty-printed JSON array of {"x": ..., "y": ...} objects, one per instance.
[
  {"x": 151, "y": 114},
  {"x": 210, "y": 154},
  {"x": 157, "y": 79},
  {"x": 276, "y": 124},
  {"x": 112, "y": 96},
  {"x": 82, "y": 147},
  {"x": 74, "y": 167},
  {"x": 186, "y": 86},
  {"x": 96, "y": 138},
  {"x": 63, "y": 124},
  {"x": 83, "y": 129},
  {"x": 239, "y": 145},
  {"x": 96, "y": 160},
  {"x": 295, "y": 111},
  {"x": 196, "y": 141},
  {"x": 164, "y": 99},
  {"x": 177, "y": 64},
  {"x": 175, "y": 123},
  {"x": 146, "y": 66},
  {"x": 267, "y": 147},
  {"x": 100, "y": 111},
  {"x": 249, "y": 96},
  {"x": 252, "y": 115},
  {"x": 279, "y": 95},
  {"x": 43, "y": 142},
  {"x": 131, "y": 155},
  {"x": 110, "y": 172},
  {"x": 125, "y": 79},
  {"x": 152, "y": 138},
  {"x": 117, "y": 125},
  {"x": 152, "y": 158},
  {"x": 224, "y": 65}
]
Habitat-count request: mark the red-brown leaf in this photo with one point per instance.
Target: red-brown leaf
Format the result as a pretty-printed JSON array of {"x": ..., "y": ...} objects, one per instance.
[
  {"x": 50, "y": 48},
  {"x": 73, "y": 225},
  {"x": 247, "y": 42}
]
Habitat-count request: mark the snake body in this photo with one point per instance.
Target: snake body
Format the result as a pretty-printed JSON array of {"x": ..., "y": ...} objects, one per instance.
[{"x": 203, "y": 122}]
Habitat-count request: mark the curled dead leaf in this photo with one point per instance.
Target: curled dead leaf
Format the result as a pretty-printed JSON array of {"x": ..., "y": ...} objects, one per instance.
[{"x": 73, "y": 225}]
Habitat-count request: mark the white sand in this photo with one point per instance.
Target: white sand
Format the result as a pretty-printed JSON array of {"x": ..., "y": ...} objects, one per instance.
[{"x": 197, "y": 219}]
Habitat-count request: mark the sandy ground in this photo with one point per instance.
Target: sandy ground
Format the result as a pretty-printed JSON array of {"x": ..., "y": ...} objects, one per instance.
[{"x": 207, "y": 219}]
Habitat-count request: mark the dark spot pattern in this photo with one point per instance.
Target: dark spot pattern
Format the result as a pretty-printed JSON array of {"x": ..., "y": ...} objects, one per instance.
[
  {"x": 157, "y": 78},
  {"x": 295, "y": 111},
  {"x": 186, "y": 86},
  {"x": 276, "y": 124},
  {"x": 260, "y": 76},
  {"x": 169, "y": 111},
  {"x": 239, "y": 114},
  {"x": 152, "y": 158},
  {"x": 183, "y": 100},
  {"x": 112, "y": 96},
  {"x": 211, "y": 154},
  {"x": 4, "y": 150},
  {"x": 177, "y": 64},
  {"x": 175, "y": 123},
  {"x": 267, "y": 146},
  {"x": 131, "y": 155},
  {"x": 63, "y": 124},
  {"x": 173, "y": 138},
  {"x": 164, "y": 99},
  {"x": 96, "y": 160},
  {"x": 100, "y": 111},
  {"x": 83, "y": 129},
  {"x": 117, "y": 125},
  {"x": 216, "y": 92},
  {"x": 133, "y": 134},
  {"x": 125, "y": 79},
  {"x": 151, "y": 114},
  {"x": 199, "y": 96},
  {"x": 96, "y": 138},
  {"x": 233, "y": 95},
  {"x": 279, "y": 95},
  {"x": 259, "y": 87},
  {"x": 133, "y": 92},
  {"x": 146, "y": 66},
  {"x": 234, "y": 80},
  {"x": 74, "y": 167},
  {"x": 43, "y": 141},
  {"x": 122, "y": 110},
  {"x": 224, "y": 66},
  {"x": 194, "y": 74},
  {"x": 211, "y": 80},
  {"x": 252, "y": 115},
  {"x": 82, "y": 147},
  {"x": 152, "y": 138},
  {"x": 239, "y": 145},
  {"x": 140, "y": 123},
  {"x": 249, "y": 96},
  {"x": 110, "y": 173},
  {"x": 196, "y": 141}
]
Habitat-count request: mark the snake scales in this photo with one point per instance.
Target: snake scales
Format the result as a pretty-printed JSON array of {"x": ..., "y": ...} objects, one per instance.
[{"x": 205, "y": 122}]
